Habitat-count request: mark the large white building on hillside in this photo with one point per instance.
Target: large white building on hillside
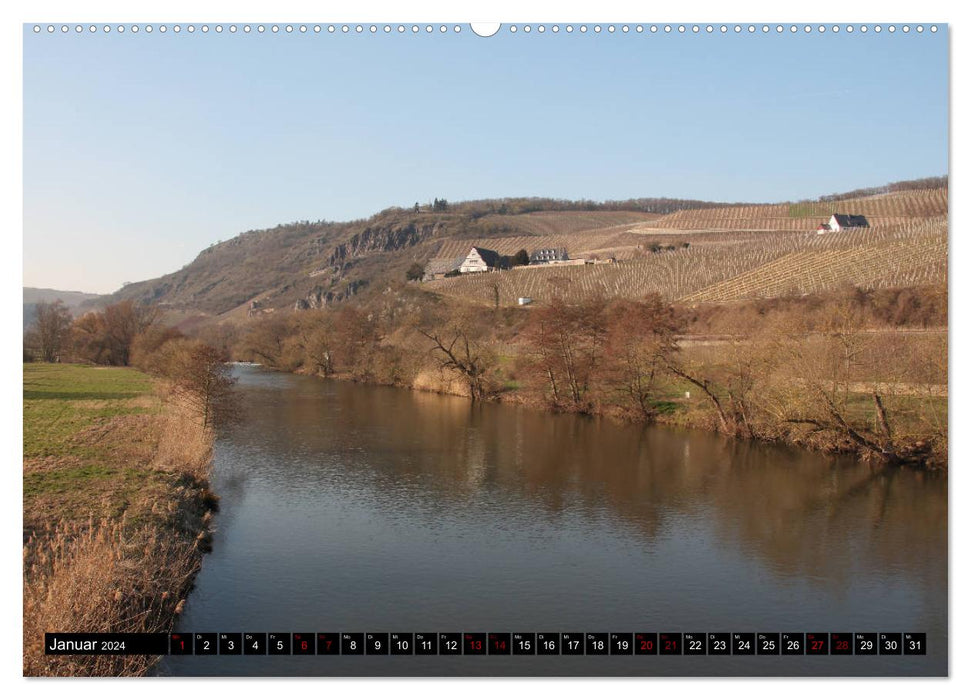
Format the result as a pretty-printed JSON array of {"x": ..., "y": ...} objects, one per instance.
[{"x": 480, "y": 260}]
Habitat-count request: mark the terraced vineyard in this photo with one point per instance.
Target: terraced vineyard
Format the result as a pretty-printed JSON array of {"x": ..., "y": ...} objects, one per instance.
[
  {"x": 725, "y": 267},
  {"x": 881, "y": 210},
  {"x": 615, "y": 240},
  {"x": 546, "y": 223},
  {"x": 583, "y": 234},
  {"x": 905, "y": 256}
]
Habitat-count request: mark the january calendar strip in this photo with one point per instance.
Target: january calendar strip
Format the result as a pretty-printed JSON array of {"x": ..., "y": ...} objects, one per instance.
[{"x": 374, "y": 644}]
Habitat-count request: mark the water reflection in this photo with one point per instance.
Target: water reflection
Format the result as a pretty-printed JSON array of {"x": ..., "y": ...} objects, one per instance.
[
  {"x": 372, "y": 506},
  {"x": 803, "y": 513}
]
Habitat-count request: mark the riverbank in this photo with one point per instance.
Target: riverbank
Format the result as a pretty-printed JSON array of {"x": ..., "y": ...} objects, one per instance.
[
  {"x": 116, "y": 510},
  {"x": 683, "y": 406},
  {"x": 830, "y": 373}
]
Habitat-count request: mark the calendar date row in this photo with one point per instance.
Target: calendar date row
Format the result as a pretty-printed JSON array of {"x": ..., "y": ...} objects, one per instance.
[{"x": 493, "y": 643}]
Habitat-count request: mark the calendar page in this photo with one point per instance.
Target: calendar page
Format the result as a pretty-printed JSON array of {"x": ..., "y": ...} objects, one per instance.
[{"x": 528, "y": 348}]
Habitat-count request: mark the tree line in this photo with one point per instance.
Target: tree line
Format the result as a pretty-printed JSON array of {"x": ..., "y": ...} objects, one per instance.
[
  {"x": 131, "y": 334},
  {"x": 831, "y": 372},
  {"x": 925, "y": 183}
]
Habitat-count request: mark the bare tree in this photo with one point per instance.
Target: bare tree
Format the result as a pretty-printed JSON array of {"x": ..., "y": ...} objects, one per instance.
[
  {"x": 494, "y": 286},
  {"x": 317, "y": 339},
  {"x": 640, "y": 344},
  {"x": 266, "y": 339},
  {"x": 460, "y": 345},
  {"x": 566, "y": 342},
  {"x": 842, "y": 387},
  {"x": 107, "y": 337},
  {"x": 205, "y": 384},
  {"x": 123, "y": 322},
  {"x": 51, "y": 327}
]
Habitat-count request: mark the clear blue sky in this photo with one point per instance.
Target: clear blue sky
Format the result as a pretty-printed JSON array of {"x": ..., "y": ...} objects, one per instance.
[{"x": 140, "y": 150}]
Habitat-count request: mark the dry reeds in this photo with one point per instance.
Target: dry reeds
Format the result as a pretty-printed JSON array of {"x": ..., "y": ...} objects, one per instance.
[
  {"x": 183, "y": 445},
  {"x": 129, "y": 574},
  {"x": 101, "y": 577}
]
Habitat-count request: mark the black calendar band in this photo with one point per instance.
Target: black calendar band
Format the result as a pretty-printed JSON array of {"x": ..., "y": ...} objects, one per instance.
[
  {"x": 106, "y": 643},
  {"x": 491, "y": 643}
]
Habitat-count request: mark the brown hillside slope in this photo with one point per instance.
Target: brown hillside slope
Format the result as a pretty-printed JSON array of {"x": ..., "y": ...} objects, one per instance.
[{"x": 309, "y": 264}]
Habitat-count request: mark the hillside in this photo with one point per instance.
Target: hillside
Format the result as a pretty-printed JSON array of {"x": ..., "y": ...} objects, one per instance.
[
  {"x": 880, "y": 209},
  {"x": 736, "y": 253},
  {"x": 731, "y": 267},
  {"x": 309, "y": 264},
  {"x": 685, "y": 249},
  {"x": 35, "y": 295}
]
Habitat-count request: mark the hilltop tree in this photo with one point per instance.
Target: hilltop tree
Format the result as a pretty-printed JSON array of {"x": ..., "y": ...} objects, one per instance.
[
  {"x": 51, "y": 328},
  {"x": 414, "y": 272}
]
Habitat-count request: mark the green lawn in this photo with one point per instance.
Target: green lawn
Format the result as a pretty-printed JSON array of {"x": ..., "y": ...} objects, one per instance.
[
  {"x": 87, "y": 441},
  {"x": 60, "y": 400}
]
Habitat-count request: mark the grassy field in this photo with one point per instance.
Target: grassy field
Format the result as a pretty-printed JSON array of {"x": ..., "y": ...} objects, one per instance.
[
  {"x": 116, "y": 510},
  {"x": 89, "y": 438}
]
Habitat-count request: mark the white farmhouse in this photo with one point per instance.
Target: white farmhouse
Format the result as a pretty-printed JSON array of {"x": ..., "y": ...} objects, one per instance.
[
  {"x": 480, "y": 260},
  {"x": 840, "y": 222}
]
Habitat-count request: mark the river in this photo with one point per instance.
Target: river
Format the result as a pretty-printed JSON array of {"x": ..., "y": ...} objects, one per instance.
[{"x": 353, "y": 508}]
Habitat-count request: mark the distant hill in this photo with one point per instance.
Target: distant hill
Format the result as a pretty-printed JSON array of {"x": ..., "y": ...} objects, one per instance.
[
  {"x": 310, "y": 264},
  {"x": 317, "y": 263},
  {"x": 35, "y": 295}
]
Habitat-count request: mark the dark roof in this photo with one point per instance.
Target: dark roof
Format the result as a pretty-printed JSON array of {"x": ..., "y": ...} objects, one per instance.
[
  {"x": 851, "y": 221},
  {"x": 439, "y": 266},
  {"x": 490, "y": 257}
]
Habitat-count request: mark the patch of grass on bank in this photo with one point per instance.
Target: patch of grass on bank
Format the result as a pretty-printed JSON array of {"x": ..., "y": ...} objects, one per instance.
[
  {"x": 60, "y": 400},
  {"x": 88, "y": 439}
]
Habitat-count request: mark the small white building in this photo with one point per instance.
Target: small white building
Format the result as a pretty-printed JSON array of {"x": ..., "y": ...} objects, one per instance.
[
  {"x": 840, "y": 222},
  {"x": 480, "y": 260},
  {"x": 545, "y": 256},
  {"x": 524, "y": 301}
]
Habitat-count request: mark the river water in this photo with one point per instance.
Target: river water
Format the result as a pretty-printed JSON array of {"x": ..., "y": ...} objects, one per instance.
[{"x": 352, "y": 508}]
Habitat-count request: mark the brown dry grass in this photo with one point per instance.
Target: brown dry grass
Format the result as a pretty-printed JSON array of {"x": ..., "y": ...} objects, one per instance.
[
  {"x": 183, "y": 445},
  {"x": 115, "y": 523},
  {"x": 104, "y": 577}
]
